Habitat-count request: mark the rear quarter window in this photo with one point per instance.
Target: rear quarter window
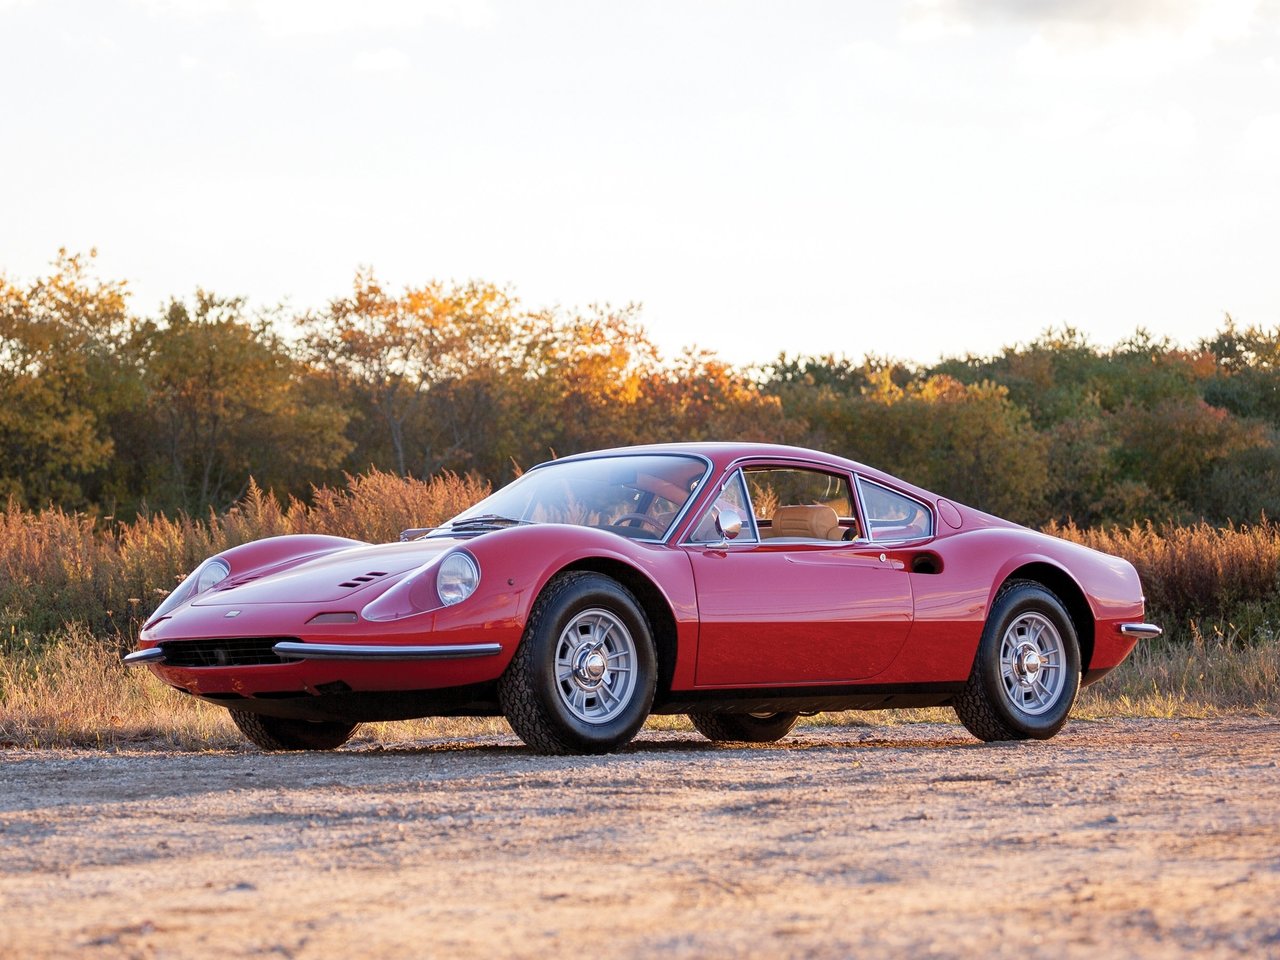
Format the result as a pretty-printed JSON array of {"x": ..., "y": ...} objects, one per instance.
[{"x": 893, "y": 516}]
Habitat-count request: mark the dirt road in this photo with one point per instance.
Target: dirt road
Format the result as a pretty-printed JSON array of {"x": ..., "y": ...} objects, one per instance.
[{"x": 1119, "y": 838}]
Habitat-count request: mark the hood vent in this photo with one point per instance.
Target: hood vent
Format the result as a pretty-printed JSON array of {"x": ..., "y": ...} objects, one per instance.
[{"x": 369, "y": 577}]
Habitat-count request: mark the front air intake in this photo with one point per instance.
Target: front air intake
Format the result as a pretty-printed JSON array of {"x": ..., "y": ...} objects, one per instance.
[{"x": 232, "y": 652}]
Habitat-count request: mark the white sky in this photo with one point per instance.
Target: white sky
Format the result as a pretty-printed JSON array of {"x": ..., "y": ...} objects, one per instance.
[{"x": 910, "y": 178}]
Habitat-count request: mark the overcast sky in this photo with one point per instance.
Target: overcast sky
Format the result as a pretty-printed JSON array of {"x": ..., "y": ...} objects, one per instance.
[{"x": 911, "y": 178}]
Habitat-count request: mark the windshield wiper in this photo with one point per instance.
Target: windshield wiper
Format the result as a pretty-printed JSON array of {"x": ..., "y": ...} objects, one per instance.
[{"x": 483, "y": 520}]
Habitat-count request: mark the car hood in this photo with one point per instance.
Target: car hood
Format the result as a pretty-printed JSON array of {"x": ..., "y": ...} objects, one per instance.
[{"x": 330, "y": 578}]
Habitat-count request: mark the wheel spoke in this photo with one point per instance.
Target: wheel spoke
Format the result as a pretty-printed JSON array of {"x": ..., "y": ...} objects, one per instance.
[
  {"x": 593, "y": 636},
  {"x": 1032, "y": 663}
]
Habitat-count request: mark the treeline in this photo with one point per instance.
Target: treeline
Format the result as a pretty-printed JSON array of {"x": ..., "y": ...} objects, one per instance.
[{"x": 115, "y": 413}]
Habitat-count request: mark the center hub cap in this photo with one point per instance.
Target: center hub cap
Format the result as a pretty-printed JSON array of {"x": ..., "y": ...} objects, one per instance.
[
  {"x": 591, "y": 666},
  {"x": 1029, "y": 663}
]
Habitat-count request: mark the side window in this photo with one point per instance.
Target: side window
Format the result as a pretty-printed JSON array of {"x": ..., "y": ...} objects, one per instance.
[
  {"x": 734, "y": 495},
  {"x": 892, "y": 516},
  {"x": 798, "y": 504}
]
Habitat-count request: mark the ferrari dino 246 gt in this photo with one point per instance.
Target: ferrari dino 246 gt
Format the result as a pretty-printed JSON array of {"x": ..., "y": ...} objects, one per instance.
[{"x": 742, "y": 584}]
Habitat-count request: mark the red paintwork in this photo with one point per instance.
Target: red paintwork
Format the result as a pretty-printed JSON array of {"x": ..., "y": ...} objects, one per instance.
[
  {"x": 836, "y": 615},
  {"x": 797, "y": 613}
]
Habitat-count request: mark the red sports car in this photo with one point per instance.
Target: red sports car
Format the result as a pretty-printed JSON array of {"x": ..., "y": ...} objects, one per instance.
[{"x": 742, "y": 584}]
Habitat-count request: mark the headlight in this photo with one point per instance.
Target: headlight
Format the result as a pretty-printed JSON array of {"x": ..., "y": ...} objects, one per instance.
[
  {"x": 205, "y": 577},
  {"x": 430, "y": 587},
  {"x": 457, "y": 578},
  {"x": 209, "y": 574}
]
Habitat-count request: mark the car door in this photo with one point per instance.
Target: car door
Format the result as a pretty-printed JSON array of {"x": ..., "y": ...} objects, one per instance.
[{"x": 789, "y": 601}]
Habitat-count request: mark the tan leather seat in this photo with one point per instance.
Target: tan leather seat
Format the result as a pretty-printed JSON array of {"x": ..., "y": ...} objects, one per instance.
[{"x": 815, "y": 522}]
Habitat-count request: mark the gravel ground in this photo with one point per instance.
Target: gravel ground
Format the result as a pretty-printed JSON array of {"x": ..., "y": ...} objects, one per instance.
[{"x": 1133, "y": 838}]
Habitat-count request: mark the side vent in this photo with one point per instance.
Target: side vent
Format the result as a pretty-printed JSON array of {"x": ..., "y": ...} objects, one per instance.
[{"x": 926, "y": 563}]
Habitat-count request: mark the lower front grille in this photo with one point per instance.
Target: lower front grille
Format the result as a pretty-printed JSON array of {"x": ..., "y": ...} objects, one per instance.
[{"x": 233, "y": 652}]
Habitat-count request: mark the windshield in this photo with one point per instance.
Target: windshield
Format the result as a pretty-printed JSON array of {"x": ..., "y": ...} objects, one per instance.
[{"x": 637, "y": 496}]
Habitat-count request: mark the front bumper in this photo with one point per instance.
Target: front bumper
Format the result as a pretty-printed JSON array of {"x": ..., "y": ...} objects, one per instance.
[{"x": 292, "y": 650}]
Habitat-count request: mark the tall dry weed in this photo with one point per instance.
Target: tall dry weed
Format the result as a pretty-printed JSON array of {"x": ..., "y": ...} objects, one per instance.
[
  {"x": 376, "y": 506},
  {"x": 1198, "y": 573},
  {"x": 1199, "y": 676},
  {"x": 72, "y": 690},
  {"x": 59, "y": 568}
]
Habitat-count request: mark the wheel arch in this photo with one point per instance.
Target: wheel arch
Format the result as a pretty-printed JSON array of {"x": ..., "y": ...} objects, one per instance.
[
  {"x": 1065, "y": 588},
  {"x": 662, "y": 619}
]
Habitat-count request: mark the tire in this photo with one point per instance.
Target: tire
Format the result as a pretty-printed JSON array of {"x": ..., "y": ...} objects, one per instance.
[
  {"x": 1026, "y": 674},
  {"x": 583, "y": 678},
  {"x": 744, "y": 727},
  {"x": 279, "y": 733}
]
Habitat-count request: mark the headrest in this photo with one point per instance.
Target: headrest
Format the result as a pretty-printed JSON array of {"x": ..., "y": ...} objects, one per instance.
[{"x": 816, "y": 522}]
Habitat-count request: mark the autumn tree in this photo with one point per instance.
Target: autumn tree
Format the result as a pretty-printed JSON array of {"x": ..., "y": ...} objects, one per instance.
[
  {"x": 224, "y": 403},
  {"x": 387, "y": 352},
  {"x": 60, "y": 380},
  {"x": 698, "y": 396}
]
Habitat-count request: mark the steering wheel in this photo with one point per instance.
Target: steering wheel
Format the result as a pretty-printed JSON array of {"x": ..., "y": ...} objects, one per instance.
[{"x": 643, "y": 518}]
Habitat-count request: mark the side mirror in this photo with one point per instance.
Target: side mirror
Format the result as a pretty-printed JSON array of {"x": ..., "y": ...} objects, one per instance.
[{"x": 728, "y": 523}]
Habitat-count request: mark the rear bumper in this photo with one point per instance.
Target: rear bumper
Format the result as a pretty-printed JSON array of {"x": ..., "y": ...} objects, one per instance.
[
  {"x": 1141, "y": 631},
  {"x": 1113, "y": 641}
]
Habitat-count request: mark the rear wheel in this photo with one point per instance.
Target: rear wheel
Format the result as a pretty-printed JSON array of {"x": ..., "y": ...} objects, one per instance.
[
  {"x": 744, "y": 727},
  {"x": 280, "y": 733},
  {"x": 584, "y": 675},
  {"x": 1027, "y": 672}
]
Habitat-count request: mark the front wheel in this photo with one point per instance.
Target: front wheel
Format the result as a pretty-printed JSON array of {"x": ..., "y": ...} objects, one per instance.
[
  {"x": 584, "y": 675},
  {"x": 1027, "y": 671},
  {"x": 281, "y": 733},
  {"x": 744, "y": 727}
]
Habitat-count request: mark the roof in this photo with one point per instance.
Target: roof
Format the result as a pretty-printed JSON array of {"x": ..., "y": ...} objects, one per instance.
[{"x": 722, "y": 453}]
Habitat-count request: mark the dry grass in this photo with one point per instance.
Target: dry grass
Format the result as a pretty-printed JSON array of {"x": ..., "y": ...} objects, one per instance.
[
  {"x": 1201, "y": 676},
  {"x": 74, "y": 691},
  {"x": 1197, "y": 571},
  {"x": 59, "y": 568}
]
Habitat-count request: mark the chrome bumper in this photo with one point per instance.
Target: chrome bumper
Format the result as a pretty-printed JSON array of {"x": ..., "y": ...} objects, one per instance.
[
  {"x": 139, "y": 657},
  {"x": 357, "y": 651},
  {"x": 289, "y": 650},
  {"x": 1143, "y": 631}
]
